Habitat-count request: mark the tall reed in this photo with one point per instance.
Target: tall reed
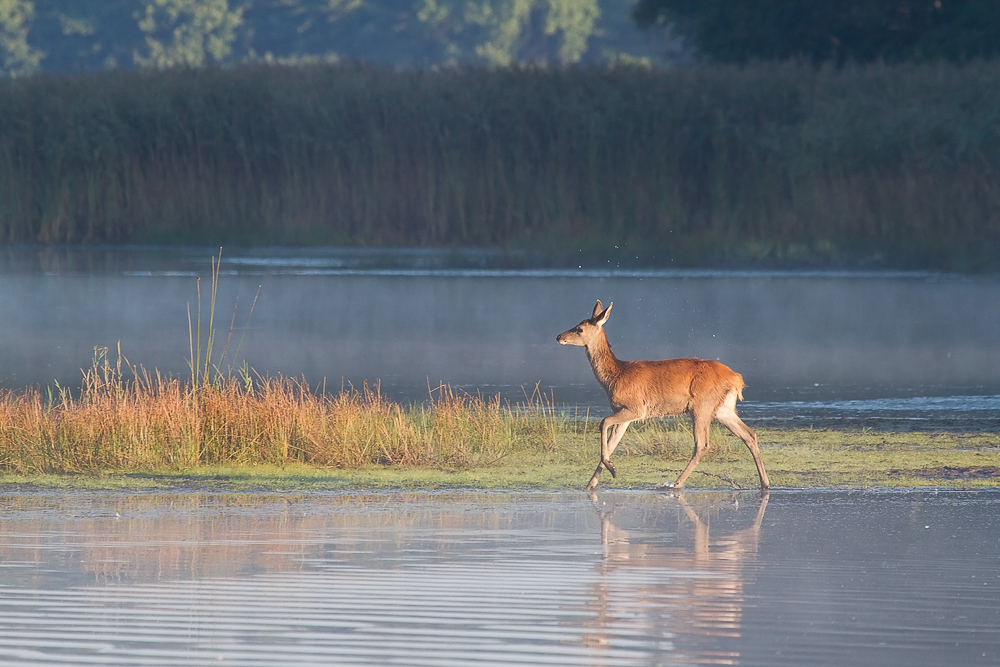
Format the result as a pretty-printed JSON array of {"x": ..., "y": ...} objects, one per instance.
[
  {"x": 204, "y": 368},
  {"x": 882, "y": 164}
]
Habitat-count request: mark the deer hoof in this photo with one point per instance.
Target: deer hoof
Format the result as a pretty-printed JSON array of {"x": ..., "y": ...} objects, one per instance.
[{"x": 611, "y": 468}]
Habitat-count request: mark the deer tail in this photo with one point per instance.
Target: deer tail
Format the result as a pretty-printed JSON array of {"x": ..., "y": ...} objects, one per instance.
[{"x": 739, "y": 386}]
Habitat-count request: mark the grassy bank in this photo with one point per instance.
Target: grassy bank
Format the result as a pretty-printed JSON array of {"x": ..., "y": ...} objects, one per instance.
[
  {"x": 794, "y": 460},
  {"x": 246, "y": 432},
  {"x": 882, "y": 165}
]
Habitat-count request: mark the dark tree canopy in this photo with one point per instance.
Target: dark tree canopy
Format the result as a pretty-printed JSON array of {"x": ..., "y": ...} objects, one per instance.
[{"x": 837, "y": 30}]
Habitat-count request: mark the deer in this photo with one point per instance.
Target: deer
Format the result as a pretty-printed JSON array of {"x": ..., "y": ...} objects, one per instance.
[{"x": 702, "y": 388}]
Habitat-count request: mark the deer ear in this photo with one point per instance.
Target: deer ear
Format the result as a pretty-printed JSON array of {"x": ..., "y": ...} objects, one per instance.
[
  {"x": 597, "y": 310},
  {"x": 603, "y": 317}
]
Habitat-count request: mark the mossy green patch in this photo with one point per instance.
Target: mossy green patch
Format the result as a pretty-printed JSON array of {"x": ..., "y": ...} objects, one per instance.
[{"x": 794, "y": 458}]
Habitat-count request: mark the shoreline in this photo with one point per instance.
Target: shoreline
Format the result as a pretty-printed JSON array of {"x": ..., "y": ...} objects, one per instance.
[{"x": 795, "y": 459}]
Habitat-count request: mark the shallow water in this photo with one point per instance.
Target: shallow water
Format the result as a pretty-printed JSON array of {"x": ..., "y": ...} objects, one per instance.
[
  {"x": 626, "y": 578},
  {"x": 869, "y": 346}
]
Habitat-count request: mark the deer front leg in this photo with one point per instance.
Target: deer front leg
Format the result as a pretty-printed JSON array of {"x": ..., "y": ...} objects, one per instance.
[
  {"x": 596, "y": 478},
  {"x": 606, "y": 449},
  {"x": 612, "y": 428},
  {"x": 606, "y": 426}
]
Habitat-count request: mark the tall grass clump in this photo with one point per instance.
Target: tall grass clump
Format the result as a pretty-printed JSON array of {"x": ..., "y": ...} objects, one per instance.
[
  {"x": 887, "y": 164},
  {"x": 127, "y": 419}
]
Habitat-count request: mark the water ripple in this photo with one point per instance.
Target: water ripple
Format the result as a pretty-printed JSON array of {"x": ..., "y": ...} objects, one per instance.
[{"x": 831, "y": 578}]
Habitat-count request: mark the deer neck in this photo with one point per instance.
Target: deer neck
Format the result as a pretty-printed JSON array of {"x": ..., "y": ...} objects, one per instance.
[{"x": 604, "y": 362}]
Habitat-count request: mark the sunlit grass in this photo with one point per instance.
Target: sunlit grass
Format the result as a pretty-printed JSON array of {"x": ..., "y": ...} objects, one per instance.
[
  {"x": 151, "y": 432},
  {"x": 127, "y": 419}
]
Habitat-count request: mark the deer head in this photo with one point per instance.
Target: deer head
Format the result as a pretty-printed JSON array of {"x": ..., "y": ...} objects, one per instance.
[{"x": 584, "y": 332}]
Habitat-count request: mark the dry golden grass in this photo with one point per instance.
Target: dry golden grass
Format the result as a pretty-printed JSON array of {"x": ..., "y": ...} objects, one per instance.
[
  {"x": 128, "y": 419},
  {"x": 277, "y": 432}
]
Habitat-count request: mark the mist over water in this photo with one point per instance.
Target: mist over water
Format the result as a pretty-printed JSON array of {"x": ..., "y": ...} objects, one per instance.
[{"x": 413, "y": 319}]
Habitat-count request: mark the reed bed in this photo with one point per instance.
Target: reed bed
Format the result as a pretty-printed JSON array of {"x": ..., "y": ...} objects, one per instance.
[
  {"x": 127, "y": 419},
  {"x": 885, "y": 165}
]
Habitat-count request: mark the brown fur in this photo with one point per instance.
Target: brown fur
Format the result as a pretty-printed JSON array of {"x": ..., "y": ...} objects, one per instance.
[{"x": 702, "y": 388}]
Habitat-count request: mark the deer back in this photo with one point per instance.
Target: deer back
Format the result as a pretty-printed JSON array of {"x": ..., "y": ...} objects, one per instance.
[{"x": 672, "y": 386}]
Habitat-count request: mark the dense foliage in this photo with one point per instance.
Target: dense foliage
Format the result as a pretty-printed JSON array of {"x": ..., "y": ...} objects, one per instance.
[
  {"x": 839, "y": 30},
  {"x": 87, "y": 35},
  {"x": 892, "y": 165}
]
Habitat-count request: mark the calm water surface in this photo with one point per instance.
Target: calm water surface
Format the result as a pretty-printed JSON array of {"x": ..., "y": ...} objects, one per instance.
[
  {"x": 916, "y": 349},
  {"x": 623, "y": 578}
]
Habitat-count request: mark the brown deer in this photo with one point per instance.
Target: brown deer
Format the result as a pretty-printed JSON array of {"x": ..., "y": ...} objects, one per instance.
[{"x": 704, "y": 389}]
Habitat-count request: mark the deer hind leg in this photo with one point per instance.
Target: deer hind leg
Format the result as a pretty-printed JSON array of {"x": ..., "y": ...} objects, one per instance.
[
  {"x": 612, "y": 430},
  {"x": 726, "y": 415},
  {"x": 701, "y": 419}
]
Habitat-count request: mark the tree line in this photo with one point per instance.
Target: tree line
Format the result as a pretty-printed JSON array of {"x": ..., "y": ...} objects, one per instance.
[{"x": 70, "y": 36}]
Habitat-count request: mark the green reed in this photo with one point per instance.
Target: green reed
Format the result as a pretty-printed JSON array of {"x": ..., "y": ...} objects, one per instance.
[
  {"x": 883, "y": 164},
  {"x": 205, "y": 369}
]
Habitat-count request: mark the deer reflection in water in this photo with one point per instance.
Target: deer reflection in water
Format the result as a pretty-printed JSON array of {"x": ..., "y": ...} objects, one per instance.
[{"x": 697, "y": 603}]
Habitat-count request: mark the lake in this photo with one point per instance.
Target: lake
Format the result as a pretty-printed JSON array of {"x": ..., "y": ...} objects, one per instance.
[
  {"x": 909, "y": 349},
  {"x": 799, "y": 578}
]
